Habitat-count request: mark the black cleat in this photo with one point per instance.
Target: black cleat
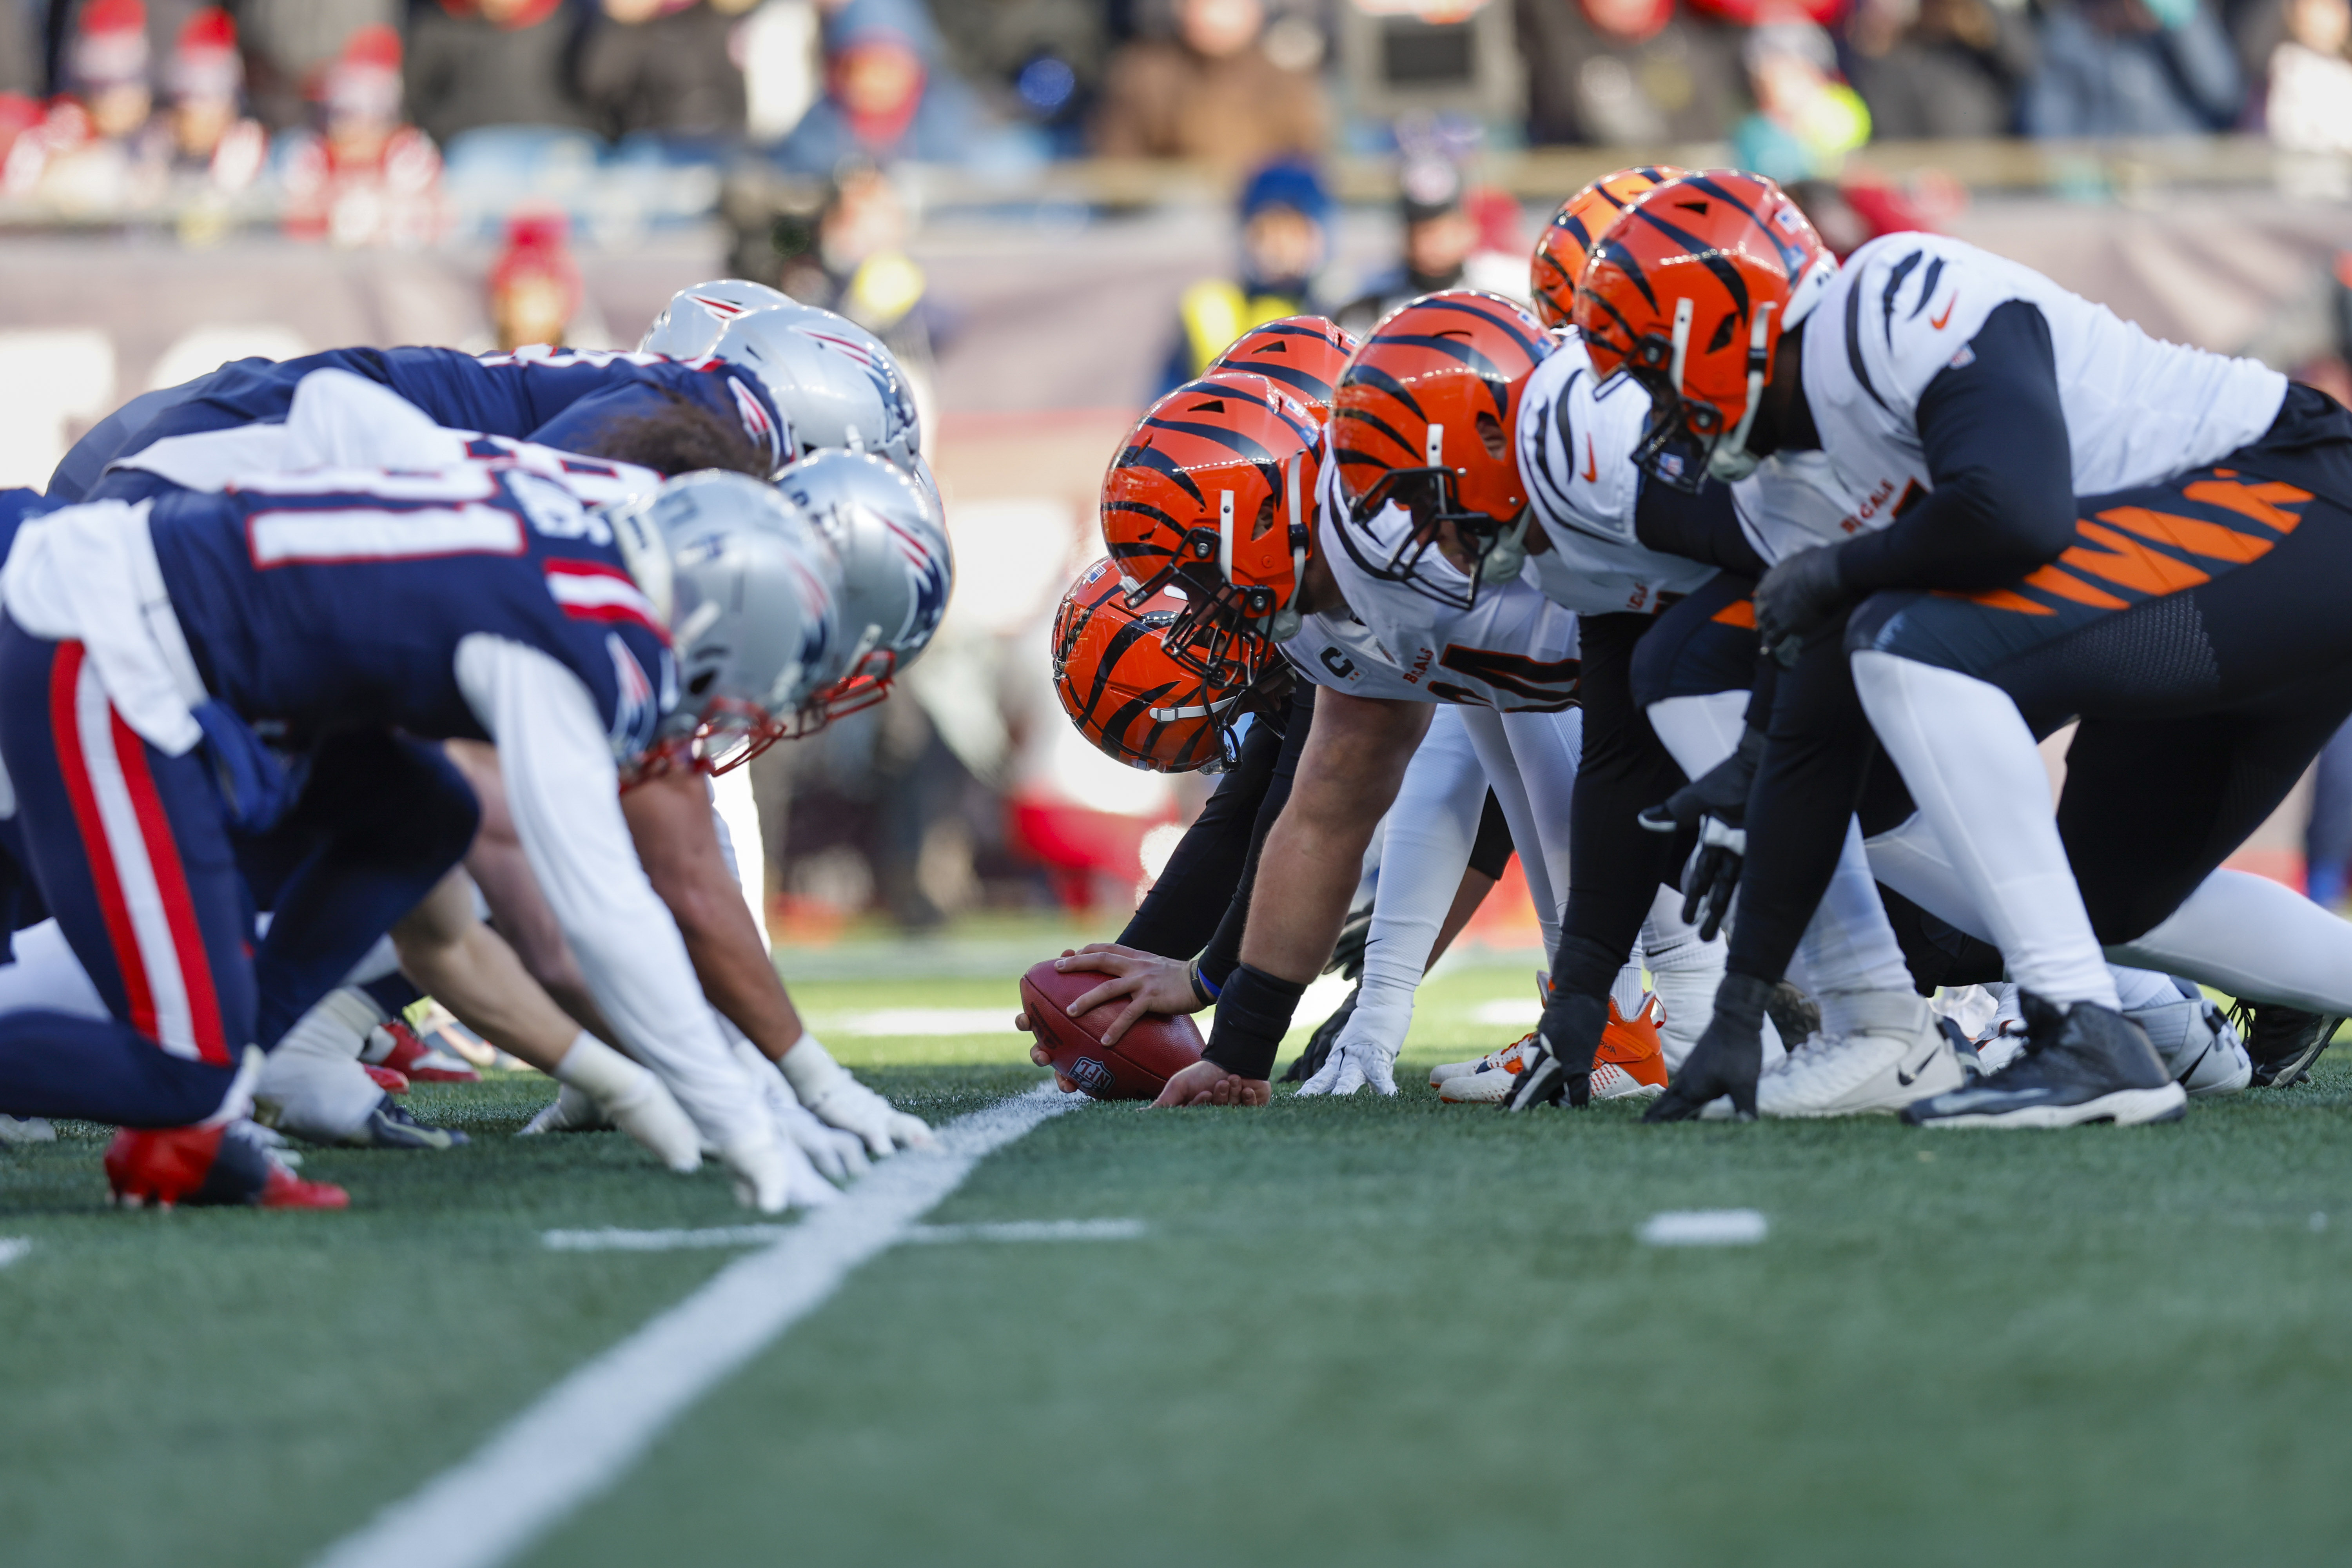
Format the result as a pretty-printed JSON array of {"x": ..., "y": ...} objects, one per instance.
[
  {"x": 389, "y": 1126},
  {"x": 2283, "y": 1041},
  {"x": 1318, "y": 1045},
  {"x": 2084, "y": 1063}
]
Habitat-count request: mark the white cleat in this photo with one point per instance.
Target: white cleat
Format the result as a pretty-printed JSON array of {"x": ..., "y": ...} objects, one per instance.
[
  {"x": 1894, "y": 1051},
  {"x": 26, "y": 1130},
  {"x": 2199, "y": 1046}
]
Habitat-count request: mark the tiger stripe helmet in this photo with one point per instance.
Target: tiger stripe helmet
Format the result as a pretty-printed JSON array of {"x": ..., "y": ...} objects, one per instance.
[
  {"x": 1689, "y": 292},
  {"x": 1582, "y": 218},
  {"x": 1426, "y": 420},
  {"x": 1302, "y": 354},
  {"x": 1120, "y": 688},
  {"x": 1213, "y": 494}
]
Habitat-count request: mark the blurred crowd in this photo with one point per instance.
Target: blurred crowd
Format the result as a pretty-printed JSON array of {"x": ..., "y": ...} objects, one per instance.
[{"x": 366, "y": 119}]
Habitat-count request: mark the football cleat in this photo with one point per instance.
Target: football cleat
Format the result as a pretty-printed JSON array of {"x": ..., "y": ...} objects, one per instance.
[
  {"x": 234, "y": 1163},
  {"x": 390, "y": 1126},
  {"x": 1895, "y": 1051},
  {"x": 26, "y": 1130},
  {"x": 1629, "y": 1064},
  {"x": 393, "y": 1044},
  {"x": 385, "y": 1078},
  {"x": 2198, "y": 1044},
  {"x": 2080, "y": 1063},
  {"x": 2283, "y": 1041}
]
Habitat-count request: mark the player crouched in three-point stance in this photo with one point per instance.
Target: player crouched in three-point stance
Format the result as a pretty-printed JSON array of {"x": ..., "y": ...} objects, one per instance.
[
  {"x": 193, "y": 685},
  {"x": 2051, "y": 516}
]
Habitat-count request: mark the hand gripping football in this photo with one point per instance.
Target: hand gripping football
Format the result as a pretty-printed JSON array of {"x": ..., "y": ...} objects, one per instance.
[{"x": 1138, "y": 1067}]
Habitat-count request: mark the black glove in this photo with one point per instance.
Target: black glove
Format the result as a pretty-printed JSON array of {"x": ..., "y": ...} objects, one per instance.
[
  {"x": 1728, "y": 1058},
  {"x": 1798, "y": 598},
  {"x": 1716, "y": 803},
  {"x": 1560, "y": 1066}
]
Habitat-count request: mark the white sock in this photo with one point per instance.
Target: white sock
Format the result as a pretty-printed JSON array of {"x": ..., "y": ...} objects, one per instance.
[
  {"x": 1425, "y": 844},
  {"x": 1848, "y": 945},
  {"x": 1684, "y": 972},
  {"x": 2137, "y": 988},
  {"x": 2250, "y": 937},
  {"x": 1971, "y": 765},
  {"x": 1627, "y": 989},
  {"x": 1699, "y": 732}
]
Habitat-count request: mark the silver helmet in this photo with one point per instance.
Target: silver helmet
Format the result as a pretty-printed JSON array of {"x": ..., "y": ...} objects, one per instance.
[
  {"x": 897, "y": 569},
  {"x": 750, "y": 590},
  {"x": 833, "y": 380},
  {"x": 695, "y": 317}
]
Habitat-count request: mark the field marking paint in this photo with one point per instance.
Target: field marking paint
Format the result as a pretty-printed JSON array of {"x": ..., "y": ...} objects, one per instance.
[
  {"x": 1703, "y": 1227},
  {"x": 594, "y": 1424},
  {"x": 614, "y": 1240},
  {"x": 1510, "y": 1012},
  {"x": 11, "y": 1247},
  {"x": 1033, "y": 1230}
]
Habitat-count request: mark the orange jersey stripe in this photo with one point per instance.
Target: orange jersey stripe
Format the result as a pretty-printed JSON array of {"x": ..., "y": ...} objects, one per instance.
[
  {"x": 2189, "y": 534},
  {"x": 2128, "y": 563},
  {"x": 1738, "y": 613}
]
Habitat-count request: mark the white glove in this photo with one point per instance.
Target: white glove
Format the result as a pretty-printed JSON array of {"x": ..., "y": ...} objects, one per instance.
[
  {"x": 771, "y": 1176},
  {"x": 1352, "y": 1064},
  {"x": 655, "y": 1119},
  {"x": 840, "y": 1155},
  {"x": 839, "y": 1100},
  {"x": 1366, "y": 1050}
]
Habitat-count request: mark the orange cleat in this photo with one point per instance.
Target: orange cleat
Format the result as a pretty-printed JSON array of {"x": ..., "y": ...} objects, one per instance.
[
  {"x": 1627, "y": 1064},
  {"x": 236, "y": 1163}
]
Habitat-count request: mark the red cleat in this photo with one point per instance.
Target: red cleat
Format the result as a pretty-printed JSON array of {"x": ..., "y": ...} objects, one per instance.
[
  {"x": 407, "y": 1055},
  {"x": 387, "y": 1079},
  {"x": 229, "y": 1164}
]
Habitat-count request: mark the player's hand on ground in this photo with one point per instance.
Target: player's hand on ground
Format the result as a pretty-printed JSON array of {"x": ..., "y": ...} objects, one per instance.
[
  {"x": 771, "y": 1176},
  {"x": 1140, "y": 982},
  {"x": 1206, "y": 1083},
  {"x": 1559, "y": 1071},
  {"x": 1728, "y": 1059},
  {"x": 1355, "y": 1061}
]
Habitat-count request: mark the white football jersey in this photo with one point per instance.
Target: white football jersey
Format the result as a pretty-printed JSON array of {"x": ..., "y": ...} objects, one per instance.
[
  {"x": 1792, "y": 501},
  {"x": 1577, "y": 434},
  {"x": 1513, "y": 649},
  {"x": 2138, "y": 410}
]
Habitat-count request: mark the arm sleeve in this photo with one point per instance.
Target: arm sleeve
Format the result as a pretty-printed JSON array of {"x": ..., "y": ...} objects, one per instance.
[
  {"x": 1995, "y": 435},
  {"x": 1224, "y": 954},
  {"x": 1703, "y": 527},
  {"x": 1181, "y": 913},
  {"x": 564, "y": 793}
]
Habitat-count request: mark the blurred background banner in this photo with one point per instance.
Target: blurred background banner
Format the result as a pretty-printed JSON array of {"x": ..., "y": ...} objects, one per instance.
[{"x": 1053, "y": 210}]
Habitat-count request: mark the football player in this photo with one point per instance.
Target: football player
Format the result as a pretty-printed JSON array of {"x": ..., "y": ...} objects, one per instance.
[
  {"x": 2032, "y": 488},
  {"x": 352, "y": 616}
]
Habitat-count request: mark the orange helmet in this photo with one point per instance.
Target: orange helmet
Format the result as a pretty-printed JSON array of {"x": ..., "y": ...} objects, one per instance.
[
  {"x": 1123, "y": 691},
  {"x": 1690, "y": 291},
  {"x": 1214, "y": 493},
  {"x": 1581, "y": 219},
  {"x": 1302, "y": 354},
  {"x": 1426, "y": 419}
]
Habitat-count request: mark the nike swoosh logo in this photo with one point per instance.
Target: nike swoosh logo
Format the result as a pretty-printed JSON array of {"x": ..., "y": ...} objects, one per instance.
[
  {"x": 1938, "y": 322},
  {"x": 1591, "y": 468},
  {"x": 1910, "y": 1075}
]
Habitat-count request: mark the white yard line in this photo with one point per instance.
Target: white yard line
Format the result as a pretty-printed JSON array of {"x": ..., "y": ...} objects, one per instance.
[
  {"x": 613, "y": 1240},
  {"x": 1704, "y": 1227},
  {"x": 594, "y": 1424},
  {"x": 11, "y": 1247}
]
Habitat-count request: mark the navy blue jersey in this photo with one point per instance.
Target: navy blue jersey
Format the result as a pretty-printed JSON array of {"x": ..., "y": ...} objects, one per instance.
[
  {"x": 317, "y": 602},
  {"x": 556, "y": 398}
]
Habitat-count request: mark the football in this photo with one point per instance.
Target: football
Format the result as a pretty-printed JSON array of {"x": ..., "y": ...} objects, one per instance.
[{"x": 1138, "y": 1067}]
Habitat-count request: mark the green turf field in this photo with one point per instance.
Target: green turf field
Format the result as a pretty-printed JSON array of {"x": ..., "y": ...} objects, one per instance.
[{"x": 1369, "y": 1331}]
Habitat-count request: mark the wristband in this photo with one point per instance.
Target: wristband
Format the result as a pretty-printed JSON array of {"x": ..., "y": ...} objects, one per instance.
[
  {"x": 1253, "y": 1012},
  {"x": 1205, "y": 991}
]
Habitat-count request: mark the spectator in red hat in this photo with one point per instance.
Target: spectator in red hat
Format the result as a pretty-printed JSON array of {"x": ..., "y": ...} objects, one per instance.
[
  {"x": 79, "y": 157},
  {"x": 534, "y": 284},
  {"x": 210, "y": 133},
  {"x": 365, "y": 177},
  {"x": 109, "y": 63}
]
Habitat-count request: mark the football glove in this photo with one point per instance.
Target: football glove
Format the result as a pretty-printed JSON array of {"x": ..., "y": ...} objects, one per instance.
[
  {"x": 1728, "y": 1059},
  {"x": 1559, "y": 1068},
  {"x": 1716, "y": 803},
  {"x": 837, "y": 1154},
  {"x": 839, "y": 1100},
  {"x": 771, "y": 1176},
  {"x": 1797, "y": 598}
]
